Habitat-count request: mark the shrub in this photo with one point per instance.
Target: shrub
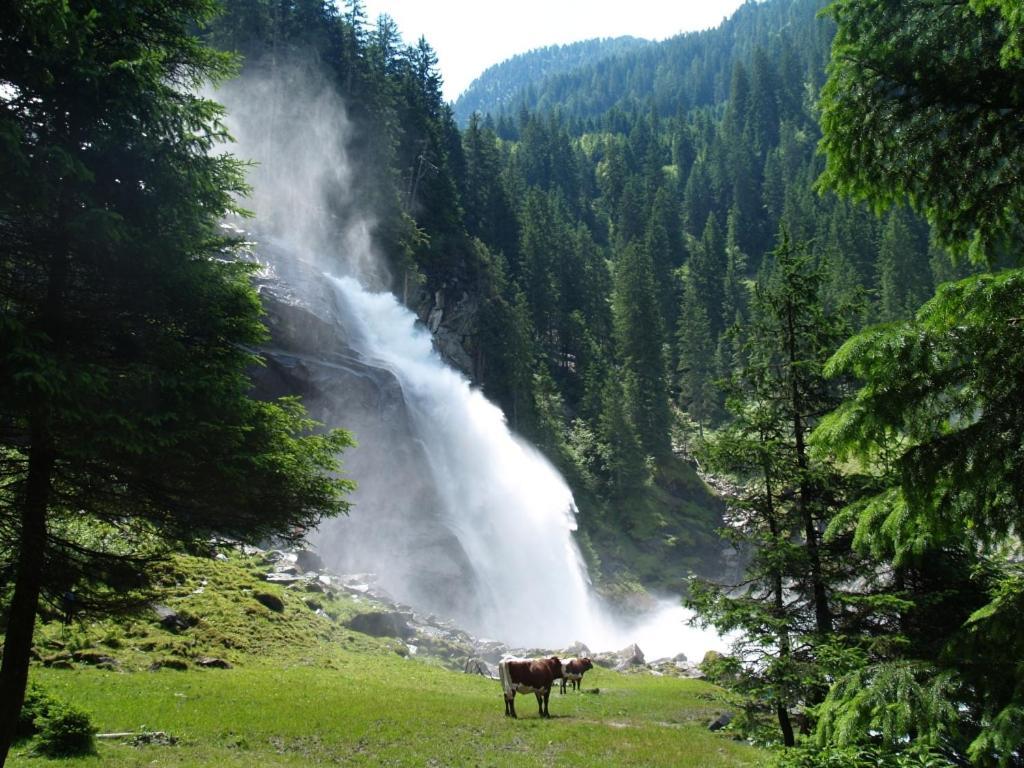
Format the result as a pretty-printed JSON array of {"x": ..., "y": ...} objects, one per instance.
[
  {"x": 862, "y": 756},
  {"x": 65, "y": 731},
  {"x": 35, "y": 709}
]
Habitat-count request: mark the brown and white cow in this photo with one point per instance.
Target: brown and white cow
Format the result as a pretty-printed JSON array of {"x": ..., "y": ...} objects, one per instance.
[
  {"x": 572, "y": 671},
  {"x": 528, "y": 676}
]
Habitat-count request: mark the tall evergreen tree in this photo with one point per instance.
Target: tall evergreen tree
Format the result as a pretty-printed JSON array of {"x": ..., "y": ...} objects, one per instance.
[
  {"x": 639, "y": 339},
  {"x": 122, "y": 320},
  {"x": 940, "y": 392},
  {"x": 784, "y": 606}
]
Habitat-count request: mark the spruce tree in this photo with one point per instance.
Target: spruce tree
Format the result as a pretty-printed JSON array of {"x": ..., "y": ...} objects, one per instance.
[
  {"x": 127, "y": 334},
  {"x": 639, "y": 339}
]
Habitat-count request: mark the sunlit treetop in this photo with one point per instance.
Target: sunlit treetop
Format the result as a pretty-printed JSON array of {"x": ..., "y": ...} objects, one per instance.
[{"x": 923, "y": 102}]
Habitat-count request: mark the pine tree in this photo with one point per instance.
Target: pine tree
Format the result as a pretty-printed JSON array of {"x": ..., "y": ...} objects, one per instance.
[
  {"x": 903, "y": 275},
  {"x": 639, "y": 338},
  {"x": 695, "y": 371},
  {"x": 785, "y": 606},
  {"x": 124, "y": 322},
  {"x": 936, "y": 419}
]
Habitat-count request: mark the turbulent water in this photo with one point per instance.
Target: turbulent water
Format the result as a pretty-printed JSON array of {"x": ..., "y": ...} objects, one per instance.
[
  {"x": 510, "y": 510},
  {"x": 507, "y": 515}
]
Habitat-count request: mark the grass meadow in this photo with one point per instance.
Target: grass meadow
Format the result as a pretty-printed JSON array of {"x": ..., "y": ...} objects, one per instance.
[{"x": 307, "y": 691}]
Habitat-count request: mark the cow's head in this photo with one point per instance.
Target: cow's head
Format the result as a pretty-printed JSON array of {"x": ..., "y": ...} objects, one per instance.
[
  {"x": 585, "y": 664},
  {"x": 556, "y": 666}
]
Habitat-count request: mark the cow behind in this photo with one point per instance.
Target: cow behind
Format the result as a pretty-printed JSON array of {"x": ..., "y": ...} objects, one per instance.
[
  {"x": 572, "y": 671},
  {"x": 528, "y": 676}
]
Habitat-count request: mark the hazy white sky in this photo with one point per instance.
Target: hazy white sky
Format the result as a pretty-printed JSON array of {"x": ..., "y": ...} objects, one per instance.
[{"x": 471, "y": 35}]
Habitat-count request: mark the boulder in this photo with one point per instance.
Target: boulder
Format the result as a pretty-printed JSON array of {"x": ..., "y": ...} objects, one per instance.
[
  {"x": 630, "y": 657},
  {"x": 308, "y": 560},
  {"x": 576, "y": 650},
  {"x": 211, "y": 662},
  {"x": 480, "y": 667},
  {"x": 720, "y": 722},
  {"x": 490, "y": 650},
  {"x": 177, "y": 664},
  {"x": 94, "y": 658},
  {"x": 382, "y": 624},
  {"x": 171, "y": 620}
]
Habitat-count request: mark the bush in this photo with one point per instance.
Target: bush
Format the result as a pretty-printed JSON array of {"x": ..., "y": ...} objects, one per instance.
[
  {"x": 33, "y": 712},
  {"x": 65, "y": 731},
  {"x": 863, "y": 756}
]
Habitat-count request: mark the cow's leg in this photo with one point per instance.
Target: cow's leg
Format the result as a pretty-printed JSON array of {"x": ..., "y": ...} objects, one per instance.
[
  {"x": 563, "y": 686},
  {"x": 547, "y": 694},
  {"x": 510, "y": 705}
]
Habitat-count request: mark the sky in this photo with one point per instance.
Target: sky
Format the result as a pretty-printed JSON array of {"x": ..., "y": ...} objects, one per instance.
[{"x": 471, "y": 35}]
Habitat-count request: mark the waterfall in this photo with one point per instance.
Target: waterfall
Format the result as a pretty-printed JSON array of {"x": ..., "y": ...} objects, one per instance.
[
  {"x": 455, "y": 512},
  {"x": 509, "y": 509}
]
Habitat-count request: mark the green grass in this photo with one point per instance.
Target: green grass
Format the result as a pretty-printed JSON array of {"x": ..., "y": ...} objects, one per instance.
[
  {"x": 385, "y": 710},
  {"x": 306, "y": 691}
]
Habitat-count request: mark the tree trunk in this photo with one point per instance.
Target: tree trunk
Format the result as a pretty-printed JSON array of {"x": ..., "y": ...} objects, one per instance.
[
  {"x": 778, "y": 600},
  {"x": 32, "y": 538},
  {"x": 28, "y": 582},
  {"x": 785, "y": 724},
  {"x": 822, "y": 614}
]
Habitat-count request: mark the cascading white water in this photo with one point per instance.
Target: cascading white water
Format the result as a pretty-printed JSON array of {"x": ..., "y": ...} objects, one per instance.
[
  {"x": 508, "y": 507},
  {"x": 510, "y": 511}
]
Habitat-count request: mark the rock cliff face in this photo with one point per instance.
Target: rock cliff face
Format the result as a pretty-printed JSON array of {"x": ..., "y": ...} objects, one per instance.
[
  {"x": 395, "y": 518},
  {"x": 453, "y": 324}
]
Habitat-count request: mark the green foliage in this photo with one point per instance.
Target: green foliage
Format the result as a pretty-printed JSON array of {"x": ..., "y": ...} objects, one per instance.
[
  {"x": 128, "y": 330},
  {"x": 939, "y": 403},
  {"x": 894, "y": 703},
  {"x": 34, "y": 712},
  {"x": 65, "y": 731},
  {"x": 859, "y": 757},
  {"x": 59, "y": 729},
  {"x": 919, "y": 105}
]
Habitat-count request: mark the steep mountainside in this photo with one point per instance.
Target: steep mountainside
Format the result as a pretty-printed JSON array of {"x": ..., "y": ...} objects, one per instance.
[
  {"x": 682, "y": 72},
  {"x": 500, "y": 86}
]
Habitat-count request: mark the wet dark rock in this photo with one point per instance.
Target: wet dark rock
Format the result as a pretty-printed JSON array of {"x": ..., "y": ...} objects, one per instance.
[
  {"x": 307, "y": 560},
  {"x": 179, "y": 665},
  {"x": 211, "y": 662},
  {"x": 311, "y": 355},
  {"x": 720, "y": 722},
  {"x": 382, "y": 624},
  {"x": 94, "y": 658},
  {"x": 171, "y": 620}
]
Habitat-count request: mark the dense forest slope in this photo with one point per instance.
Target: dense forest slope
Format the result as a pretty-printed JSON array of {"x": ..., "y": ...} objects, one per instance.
[
  {"x": 688, "y": 70},
  {"x": 590, "y": 264},
  {"x": 499, "y": 86},
  {"x": 645, "y": 279}
]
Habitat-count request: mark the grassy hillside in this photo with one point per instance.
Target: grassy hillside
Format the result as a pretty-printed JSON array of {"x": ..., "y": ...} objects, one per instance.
[{"x": 305, "y": 690}]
